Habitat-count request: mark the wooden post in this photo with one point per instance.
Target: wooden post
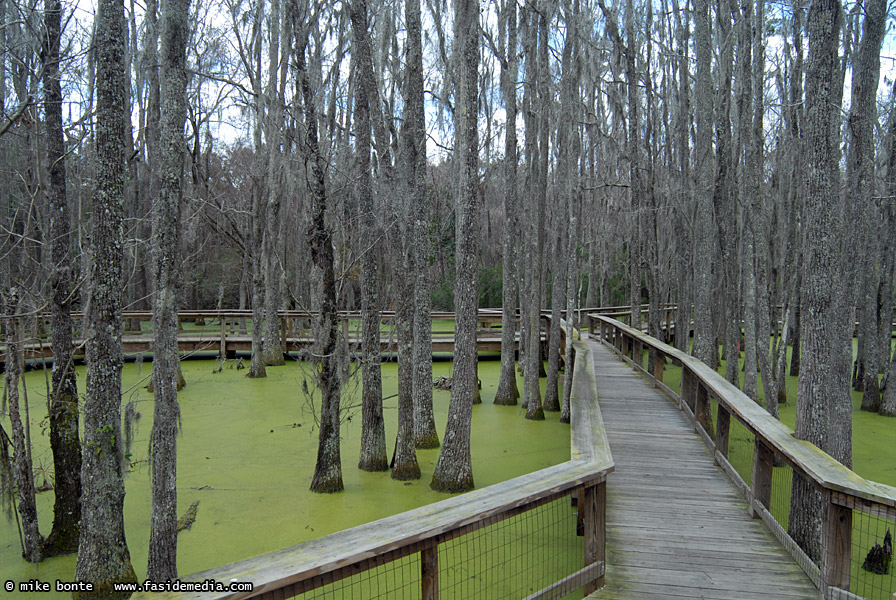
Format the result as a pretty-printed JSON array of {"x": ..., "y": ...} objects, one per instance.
[
  {"x": 702, "y": 409},
  {"x": 283, "y": 320},
  {"x": 595, "y": 509},
  {"x": 659, "y": 363},
  {"x": 579, "y": 502},
  {"x": 429, "y": 572},
  {"x": 688, "y": 393},
  {"x": 223, "y": 337},
  {"x": 837, "y": 541},
  {"x": 763, "y": 466},
  {"x": 723, "y": 425}
]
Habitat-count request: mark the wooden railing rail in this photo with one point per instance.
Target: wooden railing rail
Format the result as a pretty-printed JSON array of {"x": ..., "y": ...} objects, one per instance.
[
  {"x": 329, "y": 559},
  {"x": 842, "y": 490}
]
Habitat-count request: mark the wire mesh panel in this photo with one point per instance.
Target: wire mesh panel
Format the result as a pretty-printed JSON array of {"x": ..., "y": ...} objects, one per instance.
[
  {"x": 782, "y": 484},
  {"x": 740, "y": 449},
  {"x": 512, "y": 558},
  {"x": 872, "y": 569},
  {"x": 392, "y": 576},
  {"x": 509, "y": 557}
]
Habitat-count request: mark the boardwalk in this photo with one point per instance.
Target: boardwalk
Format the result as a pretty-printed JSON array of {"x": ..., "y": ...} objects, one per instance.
[{"x": 691, "y": 536}]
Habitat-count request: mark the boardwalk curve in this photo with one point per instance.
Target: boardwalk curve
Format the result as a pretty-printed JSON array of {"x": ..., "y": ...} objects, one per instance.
[{"x": 676, "y": 525}]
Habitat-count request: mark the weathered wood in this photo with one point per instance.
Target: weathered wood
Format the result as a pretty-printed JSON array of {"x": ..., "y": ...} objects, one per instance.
[
  {"x": 676, "y": 527},
  {"x": 763, "y": 466},
  {"x": 818, "y": 466},
  {"x": 570, "y": 583},
  {"x": 837, "y": 541},
  {"x": 659, "y": 363},
  {"x": 723, "y": 426},
  {"x": 595, "y": 509},
  {"x": 429, "y": 572}
]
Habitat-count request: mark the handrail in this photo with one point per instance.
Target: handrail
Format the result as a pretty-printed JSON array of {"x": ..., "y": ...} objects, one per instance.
[
  {"x": 332, "y": 557},
  {"x": 842, "y": 489}
]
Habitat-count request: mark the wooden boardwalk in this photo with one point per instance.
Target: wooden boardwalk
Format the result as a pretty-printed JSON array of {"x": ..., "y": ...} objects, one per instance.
[{"x": 676, "y": 525}]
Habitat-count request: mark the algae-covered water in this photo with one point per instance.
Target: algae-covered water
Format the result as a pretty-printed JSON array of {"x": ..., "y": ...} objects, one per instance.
[{"x": 246, "y": 452}]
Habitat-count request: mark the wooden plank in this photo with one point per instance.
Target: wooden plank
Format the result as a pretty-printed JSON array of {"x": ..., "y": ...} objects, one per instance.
[
  {"x": 676, "y": 526},
  {"x": 723, "y": 424},
  {"x": 429, "y": 572},
  {"x": 763, "y": 466},
  {"x": 570, "y": 583},
  {"x": 837, "y": 541},
  {"x": 595, "y": 509},
  {"x": 818, "y": 466}
]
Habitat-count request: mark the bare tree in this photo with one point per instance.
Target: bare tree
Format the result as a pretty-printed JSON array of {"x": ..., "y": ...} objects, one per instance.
[
  {"x": 103, "y": 556},
  {"x": 454, "y": 469},
  {"x": 373, "y": 433},
  {"x": 508, "y": 393},
  {"x": 175, "y": 32},
  {"x": 328, "y": 468},
  {"x": 24, "y": 475},
  {"x": 823, "y": 332},
  {"x": 65, "y": 441},
  {"x": 414, "y": 136}
]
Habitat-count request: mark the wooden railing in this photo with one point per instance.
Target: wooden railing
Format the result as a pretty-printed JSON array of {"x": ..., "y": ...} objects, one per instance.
[
  {"x": 356, "y": 551},
  {"x": 847, "y": 498},
  {"x": 229, "y": 331}
]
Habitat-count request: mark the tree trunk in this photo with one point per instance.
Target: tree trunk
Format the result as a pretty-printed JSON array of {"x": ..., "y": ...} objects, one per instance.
[
  {"x": 508, "y": 393},
  {"x": 272, "y": 350},
  {"x": 454, "y": 469},
  {"x": 705, "y": 348},
  {"x": 425, "y": 433},
  {"x": 103, "y": 556},
  {"x": 861, "y": 190},
  {"x": 822, "y": 331},
  {"x": 328, "y": 468},
  {"x": 65, "y": 441},
  {"x": 166, "y": 269},
  {"x": 373, "y": 433},
  {"x": 24, "y": 474}
]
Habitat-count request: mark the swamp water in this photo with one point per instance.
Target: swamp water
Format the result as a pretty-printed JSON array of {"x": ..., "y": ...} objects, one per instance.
[{"x": 246, "y": 452}]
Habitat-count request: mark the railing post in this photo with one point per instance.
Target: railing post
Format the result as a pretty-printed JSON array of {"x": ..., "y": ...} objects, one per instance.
[
  {"x": 688, "y": 396},
  {"x": 723, "y": 425},
  {"x": 595, "y": 509},
  {"x": 702, "y": 410},
  {"x": 283, "y": 320},
  {"x": 837, "y": 546},
  {"x": 429, "y": 572},
  {"x": 223, "y": 338},
  {"x": 763, "y": 465},
  {"x": 659, "y": 363}
]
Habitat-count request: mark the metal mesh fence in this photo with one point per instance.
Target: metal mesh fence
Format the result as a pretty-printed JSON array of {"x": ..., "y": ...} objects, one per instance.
[
  {"x": 514, "y": 557},
  {"x": 782, "y": 483},
  {"x": 740, "y": 449},
  {"x": 872, "y": 569},
  {"x": 511, "y": 556}
]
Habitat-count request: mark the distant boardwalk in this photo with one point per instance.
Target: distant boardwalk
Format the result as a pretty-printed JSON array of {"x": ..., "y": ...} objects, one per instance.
[{"x": 676, "y": 525}]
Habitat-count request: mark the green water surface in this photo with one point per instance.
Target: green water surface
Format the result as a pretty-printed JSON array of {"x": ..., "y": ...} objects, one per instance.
[{"x": 246, "y": 452}]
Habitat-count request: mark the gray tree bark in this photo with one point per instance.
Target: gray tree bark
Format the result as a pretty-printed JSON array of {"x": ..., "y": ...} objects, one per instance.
[
  {"x": 861, "y": 191},
  {"x": 425, "y": 433},
  {"x": 103, "y": 556},
  {"x": 823, "y": 330},
  {"x": 328, "y": 468},
  {"x": 508, "y": 392},
  {"x": 23, "y": 472},
  {"x": 704, "y": 339},
  {"x": 272, "y": 351},
  {"x": 175, "y": 32},
  {"x": 65, "y": 441},
  {"x": 454, "y": 469},
  {"x": 373, "y": 432}
]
